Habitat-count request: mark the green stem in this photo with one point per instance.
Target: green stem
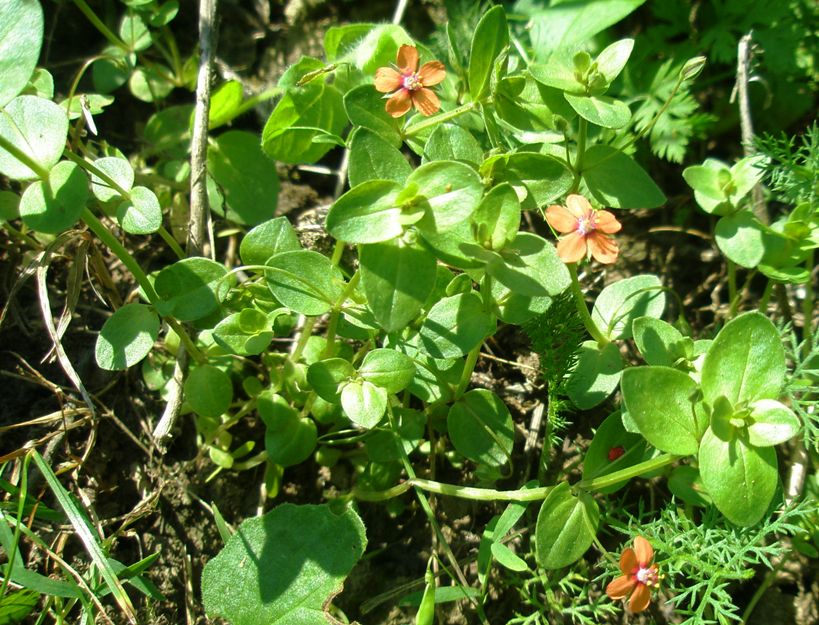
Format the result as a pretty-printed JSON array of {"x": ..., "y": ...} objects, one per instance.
[
  {"x": 582, "y": 310},
  {"x": 168, "y": 238},
  {"x": 306, "y": 333},
  {"x": 332, "y": 324},
  {"x": 629, "y": 472},
  {"x": 417, "y": 127},
  {"x": 466, "y": 374},
  {"x": 582, "y": 132},
  {"x": 491, "y": 128},
  {"x": 424, "y": 502},
  {"x": 105, "y": 235},
  {"x": 98, "y": 24},
  {"x": 732, "y": 288},
  {"x": 24, "y": 158},
  {"x": 766, "y": 296},
  {"x": 807, "y": 307},
  {"x": 22, "y": 493},
  {"x": 23, "y": 238}
]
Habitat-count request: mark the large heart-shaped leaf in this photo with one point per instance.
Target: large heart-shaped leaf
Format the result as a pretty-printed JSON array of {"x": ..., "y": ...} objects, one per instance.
[{"x": 284, "y": 567}]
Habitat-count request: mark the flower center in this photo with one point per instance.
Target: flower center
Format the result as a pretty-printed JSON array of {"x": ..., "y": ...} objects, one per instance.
[
  {"x": 586, "y": 224},
  {"x": 412, "y": 82},
  {"x": 647, "y": 576}
]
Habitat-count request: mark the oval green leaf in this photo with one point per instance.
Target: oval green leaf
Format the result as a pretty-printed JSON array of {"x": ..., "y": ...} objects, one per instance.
[
  {"x": 387, "y": 368},
  {"x": 625, "y": 300},
  {"x": 35, "y": 126},
  {"x": 595, "y": 376},
  {"x": 566, "y": 527},
  {"x": 54, "y": 205},
  {"x": 304, "y": 281},
  {"x": 140, "y": 214},
  {"x": 366, "y": 213},
  {"x": 21, "y": 36},
  {"x": 192, "y": 288},
  {"x": 126, "y": 337},
  {"x": 481, "y": 428},
  {"x": 364, "y": 403},
  {"x": 615, "y": 179},
  {"x": 745, "y": 362},
  {"x": 267, "y": 239},
  {"x": 455, "y": 325},
  {"x": 600, "y": 110},
  {"x": 208, "y": 391}
]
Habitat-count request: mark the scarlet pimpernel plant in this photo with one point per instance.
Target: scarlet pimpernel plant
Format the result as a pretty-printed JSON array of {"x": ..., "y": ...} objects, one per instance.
[{"x": 480, "y": 198}]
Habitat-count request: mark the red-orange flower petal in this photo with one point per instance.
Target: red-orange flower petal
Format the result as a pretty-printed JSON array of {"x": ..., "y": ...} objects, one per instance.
[
  {"x": 620, "y": 587},
  {"x": 644, "y": 551},
  {"x": 561, "y": 218},
  {"x": 628, "y": 561},
  {"x": 578, "y": 205},
  {"x": 407, "y": 59},
  {"x": 426, "y": 101},
  {"x": 399, "y": 103},
  {"x": 603, "y": 249},
  {"x": 432, "y": 73},
  {"x": 606, "y": 222},
  {"x": 572, "y": 247},
  {"x": 387, "y": 80},
  {"x": 639, "y": 598}
]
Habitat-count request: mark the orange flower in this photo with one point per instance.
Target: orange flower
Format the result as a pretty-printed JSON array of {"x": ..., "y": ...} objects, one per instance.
[
  {"x": 407, "y": 86},
  {"x": 639, "y": 576},
  {"x": 586, "y": 230}
]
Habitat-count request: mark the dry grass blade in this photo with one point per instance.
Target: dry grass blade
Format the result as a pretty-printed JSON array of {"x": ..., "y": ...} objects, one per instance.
[{"x": 86, "y": 535}]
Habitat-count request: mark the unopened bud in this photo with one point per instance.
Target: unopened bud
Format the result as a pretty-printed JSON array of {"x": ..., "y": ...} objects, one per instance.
[{"x": 693, "y": 67}]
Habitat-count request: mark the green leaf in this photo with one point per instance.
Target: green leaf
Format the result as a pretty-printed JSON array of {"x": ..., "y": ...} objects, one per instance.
[
  {"x": 282, "y": 568},
  {"x": 365, "y": 108},
  {"x": 246, "y": 176},
  {"x": 21, "y": 36},
  {"x": 600, "y": 110},
  {"x": 741, "y": 237},
  {"x": 530, "y": 266},
  {"x": 126, "y": 337},
  {"x": 303, "y": 114},
  {"x": 168, "y": 131},
  {"x": 387, "y": 368},
  {"x": 328, "y": 376},
  {"x": 304, "y": 281},
  {"x": 613, "y": 58},
  {"x": 54, "y": 205},
  {"x": 449, "y": 142},
  {"x": 366, "y": 46},
  {"x": 233, "y": 334},
  {"x": 208, "y": 391},
  {"x": 364, "y": 403},
  {"x": 746, "y": 361},
  {"x": 625, "y": 300},
  {"x": 612, "y": 449},
  {"x": 595, "y": 375},
  {"x": 711, "y": 182},
  {"x": 150, "y": 84},
  {"x": 481, "y": 428},
  {"x": 497, "y": 217},
  {"x": 17, "y": 605},
  {"x": 772, "y": 423},
  {"x": 268, "y": 239},
  {"x": 35, "y": 126},
  {"x": 141, "y": 213},
  {"x": 134, "y": 33},
  {"x": 659, "y": 342},
  {"x": 568, "y": 24},
  {"x": 739, "y": 478},
  {"x": 455, "y": 325},
  {"x": 537, "y": 178},
  {"x": 558, "y": 74},
  {"x": 225, "y": 101},
  {"x": 448, "y": 191},
  {"x": 119, "y": 170},
  {"x": 616, "y": 180},
  {"x": 397, "y": 278},
  {"x": 373, "y": 158},
  {"x": 367, "y": 213},
  {"x": 289, "y": 440},
  {"x": 566, "y": 527},
  {"x": 507, "y": 558},
  {"x": 489, "y": 41},
  {"x": 192, "y": 288},
  {"x": 685, "y": 483},
  {"x": 112, "y": 71},
  {"x": 660, "y": 400}
]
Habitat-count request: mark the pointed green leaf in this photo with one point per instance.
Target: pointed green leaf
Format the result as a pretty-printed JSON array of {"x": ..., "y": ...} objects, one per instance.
[
  {"x": 455, "y": 325},
  {"x": 367, "y": 213},
  {"x": 126, "y": 337},
  {"x": 304, "y": 281},
  {"x": 616, "y": 180},
  {"x": 623, "y": 301},
  {"x": 481, "y": 428},
  {"x": 566, "y": 527},
  {"x": 490, "y": 39},
  {"x": 600, "y": 110},
  {"x": 373, "y": 158}
]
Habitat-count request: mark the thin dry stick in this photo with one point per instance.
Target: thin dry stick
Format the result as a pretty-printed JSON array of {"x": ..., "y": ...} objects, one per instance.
[
  {"x": 745, "y": 121},
  {"x": 199, "y": 199}
]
